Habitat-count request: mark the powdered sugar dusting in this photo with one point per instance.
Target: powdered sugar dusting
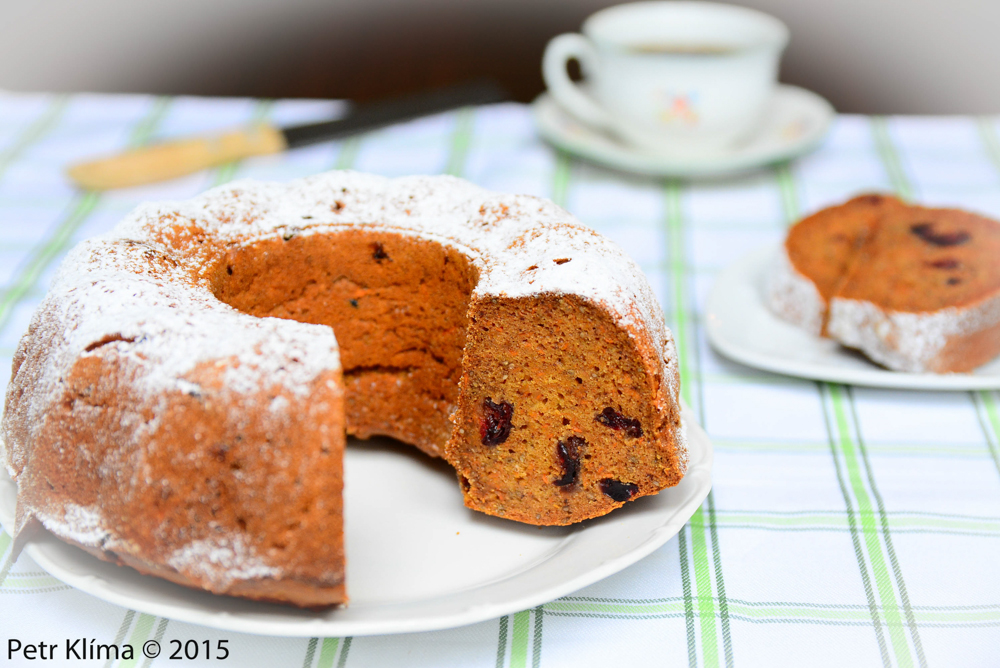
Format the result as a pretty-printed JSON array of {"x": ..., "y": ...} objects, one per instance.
[
  {"x": 793, "y": 297},
  {"x": 222, "y": 560},
  {"x": 83, "y": 525},
  {"x": 906, "y": 341}
]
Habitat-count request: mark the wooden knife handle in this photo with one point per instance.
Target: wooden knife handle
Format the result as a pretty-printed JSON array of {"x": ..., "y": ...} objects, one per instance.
[{"x": 172, "y": 159}]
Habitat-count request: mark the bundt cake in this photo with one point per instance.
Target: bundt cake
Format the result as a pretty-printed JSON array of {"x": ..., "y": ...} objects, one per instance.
[
  {"x": 179, "y": 402},
  {"x": 916, "y": 289}
]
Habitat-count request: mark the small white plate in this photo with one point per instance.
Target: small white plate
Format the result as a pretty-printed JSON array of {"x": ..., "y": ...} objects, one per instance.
[
  {"x": 796, "y": 122},
  {"x": 741, "y": 327},
  {"x": 418, "y": 560}
]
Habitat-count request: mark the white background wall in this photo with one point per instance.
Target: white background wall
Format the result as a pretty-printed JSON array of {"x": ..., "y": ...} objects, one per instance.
[{"x": 904, "y": 56}]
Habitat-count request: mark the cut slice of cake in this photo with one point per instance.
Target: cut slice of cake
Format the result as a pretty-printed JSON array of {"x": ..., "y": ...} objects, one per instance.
[{"x": 915, "y": 289}]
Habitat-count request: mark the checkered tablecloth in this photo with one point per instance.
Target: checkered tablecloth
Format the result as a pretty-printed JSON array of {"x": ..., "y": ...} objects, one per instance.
[{"x": 847, "y": 526}]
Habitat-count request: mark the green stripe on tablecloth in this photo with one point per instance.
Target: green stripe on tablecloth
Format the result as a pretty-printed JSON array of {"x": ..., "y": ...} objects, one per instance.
[
  {"x": 720, "y": 583},
  {"x": 35, "y": 131},
  {"x": 708, "y": 575},
  {"x": 873, "y": 607},
  {"x": 986, "y": 527},
  {"x": 161, "y": 630},
  {"x": 310, "y": 653},
  {"x": 789, "y": 193},
  {"x": 561, "y": 178},
  {"x": 798, "y": 446},
  {"x": 139, "y": 635},
  {"x": 461, "y": 140},
  {"x": 995, "y": 607},
  {"x": 890, "y": 158},
  {"x": 46, "y": 590},
  {"x": 988, "y": 135},
  {"x": 890, "y": 550},
  {"x": 348, "y": 153},
  {"x": 905, "y": 188},
  {"x": 688, "y": 598},
  {"x": 502, "y": 642},
  {"x": 772, "y": 612},
  {"x": 707, "y": 578},
  {"x": 705, "y": 599},
  {"x": 44, "y": 253},
  {"x": 328, "y": 652},
  {"x": 126, "y": 624},
  {"x": 225, "y": 172},
  {"x": 847, "y": 449},
  {"x": 344, "y": 651},
  {"x": 146, "y": 127},
  {"x": 536, "y": 649},
  {"x": 19, "y": 583},
  {"x": 985, "y": 399},
  {"x": 519, "y": 640}
]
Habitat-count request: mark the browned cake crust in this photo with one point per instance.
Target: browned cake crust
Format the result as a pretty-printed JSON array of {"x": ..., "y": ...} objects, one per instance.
[{"x": 179, "y": 404}]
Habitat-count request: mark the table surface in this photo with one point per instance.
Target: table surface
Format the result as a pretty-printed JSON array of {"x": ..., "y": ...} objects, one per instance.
[{"x": 847, "y": 526}]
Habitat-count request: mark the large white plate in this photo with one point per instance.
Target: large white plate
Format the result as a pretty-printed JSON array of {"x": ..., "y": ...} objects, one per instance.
[
  {"x": 418, "y": 560},
  {"x": 795, "y": 123},
  {"x": 741, "y": 327}
]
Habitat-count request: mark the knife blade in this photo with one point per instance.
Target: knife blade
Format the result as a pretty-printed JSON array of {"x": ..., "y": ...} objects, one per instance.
[{"x": 172, "y": 159}]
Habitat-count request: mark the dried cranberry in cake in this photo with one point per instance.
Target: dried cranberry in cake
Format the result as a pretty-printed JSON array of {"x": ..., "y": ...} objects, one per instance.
[
  {"x": 609, "y": 417},
  {"x": 926, "y": 232},
  {"x": 494, "y": 426},
  {"x": 619, "y": 491},
  {"x": 568, "y": 454},
  {"x": 378, "y": 252}
]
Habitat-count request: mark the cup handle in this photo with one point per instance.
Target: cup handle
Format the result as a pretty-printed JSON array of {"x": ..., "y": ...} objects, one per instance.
[{"x": 559, "y": 51}]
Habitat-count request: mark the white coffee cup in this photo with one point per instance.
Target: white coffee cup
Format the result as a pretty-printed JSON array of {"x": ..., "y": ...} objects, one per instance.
[{"x": 670, "y": 77}]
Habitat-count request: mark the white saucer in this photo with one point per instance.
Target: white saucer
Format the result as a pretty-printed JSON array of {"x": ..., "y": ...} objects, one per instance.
[
  {"x": 795, "y": 124},
  {"x": 418, "y": 560},
  {"x": 741, "y": 327}
]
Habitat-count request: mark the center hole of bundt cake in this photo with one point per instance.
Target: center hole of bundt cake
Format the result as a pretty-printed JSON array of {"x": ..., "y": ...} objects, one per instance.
[{"x": 398, "y": 306}]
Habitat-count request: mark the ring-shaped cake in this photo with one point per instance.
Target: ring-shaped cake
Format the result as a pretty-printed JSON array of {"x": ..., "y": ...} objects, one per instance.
[{"x": 179, "y": 403}]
